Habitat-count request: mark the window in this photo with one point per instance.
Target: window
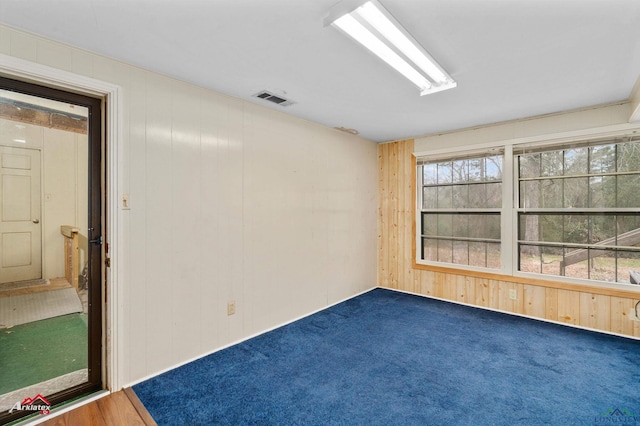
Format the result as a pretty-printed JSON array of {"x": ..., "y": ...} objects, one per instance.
[
  {"x": 578, "y": 211},
  {"x": 570, "y": 211},
  {"x": 461, "y": 203}
]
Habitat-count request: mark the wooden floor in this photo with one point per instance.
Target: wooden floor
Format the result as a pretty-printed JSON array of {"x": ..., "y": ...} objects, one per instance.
[{"x": 119, "y": 408}]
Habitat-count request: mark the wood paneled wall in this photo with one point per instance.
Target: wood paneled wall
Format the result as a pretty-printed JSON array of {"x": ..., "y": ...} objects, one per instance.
[{"x": 596, "y": 308}]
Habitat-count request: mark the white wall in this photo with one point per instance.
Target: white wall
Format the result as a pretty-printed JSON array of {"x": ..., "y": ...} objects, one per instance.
[
  {"x": 589, "y": 122},
  {"x": 229, "y": 201},
  {"x": 64, "y": 191}
]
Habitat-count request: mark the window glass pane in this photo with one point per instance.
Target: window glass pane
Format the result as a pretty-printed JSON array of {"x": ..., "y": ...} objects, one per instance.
[
  {"x": 484, "y": 226},
  {"x": 551, "y": 163},
  {"x": 576, "y": 192},
  {"x": 628, "y": 266},
  {"x": 493, "y": 166},
  {"x": 445, "y": 173},
  {"x": 602, "y": 159},
  {"x": 529, "y": 165},
  {"x": 492, "y": 224},
  {"x": 430, "y": 197},
  {"x": 602, "y": 266},
  {"x": 429, "y": 224},
  {"x": 530, "y": 259},
  {"x": 493, "y": 256},
  {"x": 628, "y": 157},
  {"x": 602, "y": 191},
  {"x": 530, "y": 194},
  {"x": 577, "y": 270},
  {"x": 445, "y": 197},
  {"x": 430, "y": 249},
  {"x": 628, "y": 191},
  {"x": 478, "y": 254},
  {"x": 445, "y": 251},
  {"x": 461, "y": 196},
  {"x": 460, "y": 171},
  {"x": 551, "y": 258},
  {"x": 576, "y": 161},
  {"x": 461, "y": 225},
  {"x": 603, "y": 229},
  {"x": 551, "y": 193},
  {"x": 627, "y": 224},
  {"x": 493, "y": 195},
  {"x": 576, "y": 230},
  {"x": 445, "y": 225},
  {"x": 430, "y": 174},
  {"x": 461, "y": 252},
  {"x": 476, "y": 169},
  {"x": 528, "y": 227}
]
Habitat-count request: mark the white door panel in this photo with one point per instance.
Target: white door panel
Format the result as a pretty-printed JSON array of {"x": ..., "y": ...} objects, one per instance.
[{"x": 20, "y": 227}]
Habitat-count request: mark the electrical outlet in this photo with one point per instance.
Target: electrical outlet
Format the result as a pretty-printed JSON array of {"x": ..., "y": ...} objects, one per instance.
[
  {"x": 231, "y": 307},
  {"x": 632, "y": 315},
  {"x": 513, "y": 294}
]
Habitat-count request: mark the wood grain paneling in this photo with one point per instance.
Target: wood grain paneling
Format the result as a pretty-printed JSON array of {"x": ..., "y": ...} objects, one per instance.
[
  {"x": 119, "y": 408},
  {"x": 605, "y": 309}
]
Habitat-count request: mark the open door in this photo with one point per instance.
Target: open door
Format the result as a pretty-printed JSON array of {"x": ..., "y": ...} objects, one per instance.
[{"x": 51, "y": 247}]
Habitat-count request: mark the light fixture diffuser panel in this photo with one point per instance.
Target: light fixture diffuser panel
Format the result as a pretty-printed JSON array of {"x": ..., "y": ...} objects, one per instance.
[{"x": 375, "y": 28}]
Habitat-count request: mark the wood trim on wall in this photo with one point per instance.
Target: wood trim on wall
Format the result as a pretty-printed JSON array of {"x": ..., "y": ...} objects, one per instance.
[{"x": 598, "y": 308}]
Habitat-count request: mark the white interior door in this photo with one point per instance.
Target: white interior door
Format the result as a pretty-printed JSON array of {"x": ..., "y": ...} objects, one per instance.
[{"x": 20, "y": 227}]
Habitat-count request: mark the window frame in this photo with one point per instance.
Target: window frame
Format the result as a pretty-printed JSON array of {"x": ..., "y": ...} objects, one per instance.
[
  {"x": 500, "y": 151},
  {"x": 510, "y": 199},
  {"x": 588, "y": 211}
]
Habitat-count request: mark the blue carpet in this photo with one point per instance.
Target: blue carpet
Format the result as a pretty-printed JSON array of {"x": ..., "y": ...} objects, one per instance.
[{"x": 387, "y": 358}]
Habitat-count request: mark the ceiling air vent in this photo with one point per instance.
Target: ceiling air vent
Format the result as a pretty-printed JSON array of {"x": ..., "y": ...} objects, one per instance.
[{"x": 268, "y": 96}]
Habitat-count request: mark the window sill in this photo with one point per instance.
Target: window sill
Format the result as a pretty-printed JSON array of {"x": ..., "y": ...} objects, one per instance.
[{"x": 594, "y": 288}]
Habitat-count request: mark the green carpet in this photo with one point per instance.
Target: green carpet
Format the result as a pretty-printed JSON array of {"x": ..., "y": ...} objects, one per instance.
[{"x": 38, "y": 351}]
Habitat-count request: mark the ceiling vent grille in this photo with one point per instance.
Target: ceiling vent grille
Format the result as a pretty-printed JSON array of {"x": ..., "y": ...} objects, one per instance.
[{"x": 278, "y": 100}]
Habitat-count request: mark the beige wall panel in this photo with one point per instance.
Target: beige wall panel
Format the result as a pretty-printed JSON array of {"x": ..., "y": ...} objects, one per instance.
[
  {"x": 53, "y": 55},
  {"x": 534, "y": 127},
  {"x": 134, "y": 220},
  {"x": 23, "y": 46},
  {"x": 190, "y": 243},
  {"x": 60, "y": 165},
  {"x": 5, "y": 41},
  {"x": 82, "y": 62},
  {"x": 158, "y": 340}
]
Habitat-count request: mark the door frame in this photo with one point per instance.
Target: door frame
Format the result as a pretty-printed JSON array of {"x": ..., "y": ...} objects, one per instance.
[{"x": 112, "y": 146}]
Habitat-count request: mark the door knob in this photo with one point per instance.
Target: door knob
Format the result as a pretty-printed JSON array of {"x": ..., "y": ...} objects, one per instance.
[{"x": 36, "y": 220}]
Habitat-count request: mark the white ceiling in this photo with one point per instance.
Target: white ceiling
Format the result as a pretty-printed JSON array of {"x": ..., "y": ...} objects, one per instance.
[{"x": 511, "y": 58}]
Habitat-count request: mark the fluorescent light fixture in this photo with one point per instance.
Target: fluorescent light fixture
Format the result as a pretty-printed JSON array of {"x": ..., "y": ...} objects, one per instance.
[{"x": 372, "y": 25}]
